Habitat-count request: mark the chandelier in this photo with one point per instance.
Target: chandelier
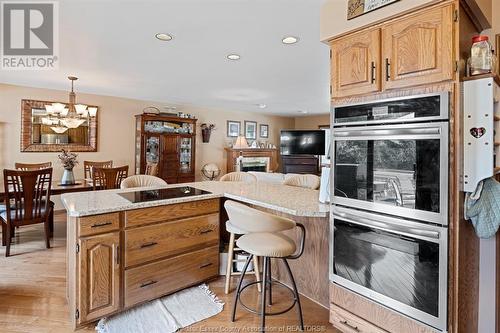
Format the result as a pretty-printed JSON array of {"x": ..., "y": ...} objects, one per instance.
[{"x": 60, "y": 118}]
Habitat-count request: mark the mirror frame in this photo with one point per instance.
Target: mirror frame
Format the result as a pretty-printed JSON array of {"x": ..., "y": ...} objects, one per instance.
[{"x": 27, "y": 129}]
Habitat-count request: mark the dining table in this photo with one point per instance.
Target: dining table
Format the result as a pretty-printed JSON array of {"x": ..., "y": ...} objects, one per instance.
[{"x": 81, "y": 185}]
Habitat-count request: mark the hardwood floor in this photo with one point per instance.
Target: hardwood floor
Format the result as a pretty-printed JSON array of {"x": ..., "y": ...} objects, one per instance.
[{"x": 33, "y": 292}]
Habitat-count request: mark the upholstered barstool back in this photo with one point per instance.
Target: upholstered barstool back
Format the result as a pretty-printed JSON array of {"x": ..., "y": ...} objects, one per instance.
[
  {"x": 238, "y": 177},
  {"x": 251, "y": 220},
  {"x": 306, "y": 181},
  {"x": 142, "y": 181}
]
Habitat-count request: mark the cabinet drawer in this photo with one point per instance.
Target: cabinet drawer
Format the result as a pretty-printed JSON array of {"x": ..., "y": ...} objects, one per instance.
[
  {"x": 164, "y": 277},
  {"x": 349, "y": 323},
  {"x": 170, "y": 212},
  {"x": 171, "y": 238},
  {"x": 98, "y": 224}
]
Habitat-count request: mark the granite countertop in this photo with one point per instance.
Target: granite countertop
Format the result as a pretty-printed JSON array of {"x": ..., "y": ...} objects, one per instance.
[{"x": 287, "y": 199}]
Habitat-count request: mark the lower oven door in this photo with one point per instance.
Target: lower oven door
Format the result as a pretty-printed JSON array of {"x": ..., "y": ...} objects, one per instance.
[{"x": 399, "y": 264}]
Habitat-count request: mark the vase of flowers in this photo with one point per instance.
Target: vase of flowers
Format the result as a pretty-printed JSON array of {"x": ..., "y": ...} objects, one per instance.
[
  {"x": 206, "y": 131},
  {"x": 68, "y": 161}
]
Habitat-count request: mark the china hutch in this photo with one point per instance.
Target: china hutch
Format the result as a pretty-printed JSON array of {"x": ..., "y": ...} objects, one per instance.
[{"x": 166, "y": 144}]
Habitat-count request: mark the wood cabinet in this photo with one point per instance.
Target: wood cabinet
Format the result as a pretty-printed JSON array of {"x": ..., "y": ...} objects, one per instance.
[
  {"x": 99, "y": 267},
  {"x": 300, "y": 164},
  {"x": 355, "y": 67},
  {"x": 417, "y": 49},
  {"x": 408, "y": 51},
  {"x": 167, "y": 145},
  {"x": 118, "y": 260}
]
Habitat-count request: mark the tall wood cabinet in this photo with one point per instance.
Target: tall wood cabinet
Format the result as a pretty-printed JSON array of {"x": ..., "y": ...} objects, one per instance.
[
  {"x": 408, "y": 51},
  {"x": 169, "y": 144}
]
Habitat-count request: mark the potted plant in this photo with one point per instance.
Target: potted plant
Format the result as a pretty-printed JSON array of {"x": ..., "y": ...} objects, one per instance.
[
  {"x": 206, "y": 130},
  {"x": 68, "y": 161}
]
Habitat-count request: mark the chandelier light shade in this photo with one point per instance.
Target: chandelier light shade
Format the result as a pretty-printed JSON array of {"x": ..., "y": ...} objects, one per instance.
[
  {"x": 71, "y": 115},
  {"x": 59, "y": 129},
  {"x": 92, "y": 111}
]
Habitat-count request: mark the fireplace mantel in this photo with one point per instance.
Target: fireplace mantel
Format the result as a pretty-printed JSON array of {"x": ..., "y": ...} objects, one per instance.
[{"x": 233, "y": 153}]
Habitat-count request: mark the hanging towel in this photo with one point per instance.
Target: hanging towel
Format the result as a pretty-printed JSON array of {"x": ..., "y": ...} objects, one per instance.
[{"x": 482, "y": 208}]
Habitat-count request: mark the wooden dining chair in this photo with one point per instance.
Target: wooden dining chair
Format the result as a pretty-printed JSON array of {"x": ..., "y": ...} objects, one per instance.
[
  {"x": 37, "y": 166},
  {"x": 28, "y": 195},
  {"x": 108, "y": 178},
  {"x": 32, "y": 166},
  {"x": 89, "y": 165}
]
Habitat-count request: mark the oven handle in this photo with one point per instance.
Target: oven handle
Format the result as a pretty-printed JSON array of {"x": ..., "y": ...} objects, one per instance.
[
  {"x": 384, "y": 225},
  {"x": 348, "y": 132}
]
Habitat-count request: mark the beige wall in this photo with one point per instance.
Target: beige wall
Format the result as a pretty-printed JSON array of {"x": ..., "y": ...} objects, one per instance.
[
  {"x": 334, "y": 16},
  {"x": 312, "y": 122},
  {"x": 116, "y": 129}
]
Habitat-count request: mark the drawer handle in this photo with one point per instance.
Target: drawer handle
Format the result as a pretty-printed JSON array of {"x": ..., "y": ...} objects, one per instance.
[
  {"x": 148, "y": 244},
  {"x": 344, "y": 322},
  {"x": 148, "y": 283},
  {"x": 206, "y": 232},
  {"x": 97, "y": 225},
  {"x": 206, "y": 265}
]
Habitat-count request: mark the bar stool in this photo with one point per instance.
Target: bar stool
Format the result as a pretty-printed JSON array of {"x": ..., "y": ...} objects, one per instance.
[{"x": 264, "y": 240}]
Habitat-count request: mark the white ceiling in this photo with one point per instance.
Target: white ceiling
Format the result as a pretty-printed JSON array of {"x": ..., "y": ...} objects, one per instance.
[{"x": 110, "y": 46}]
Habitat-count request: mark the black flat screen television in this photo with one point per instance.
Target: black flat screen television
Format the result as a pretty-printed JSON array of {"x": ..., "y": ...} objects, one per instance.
[{"x": 305, "y": 142}]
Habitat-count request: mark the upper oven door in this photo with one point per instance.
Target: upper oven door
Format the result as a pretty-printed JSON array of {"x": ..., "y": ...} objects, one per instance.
[
  {"x": 396, "y": 110},
  {"x": 400, "y": 170}
]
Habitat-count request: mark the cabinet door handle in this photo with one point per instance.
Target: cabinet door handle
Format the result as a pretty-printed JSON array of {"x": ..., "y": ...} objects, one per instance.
[
  {"x": 118, "y": 255},
  {"x": 344, "y": 322},
  {"x": 373, "y": 67},
  {"x": 206, "y": 265},
  {"x": 97, "y": 225},
  {"x": 206, "y": 232},
  {"x": 145, "y": 284},
  {"x": 387, "y": 69},
  {"x": 148, "y": 244}
]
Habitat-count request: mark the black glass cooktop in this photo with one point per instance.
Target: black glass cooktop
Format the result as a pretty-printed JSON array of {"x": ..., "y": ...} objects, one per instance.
[{"x": 162, "y": 194}]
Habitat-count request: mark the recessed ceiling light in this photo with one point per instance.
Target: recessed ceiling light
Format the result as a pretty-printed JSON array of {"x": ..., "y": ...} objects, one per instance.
[
  {"x": 164, "y": 37},
  {"x": 262, "y": 106},
  {"x": 290, "y": 40},
  {"x": 233, "y": 56}
]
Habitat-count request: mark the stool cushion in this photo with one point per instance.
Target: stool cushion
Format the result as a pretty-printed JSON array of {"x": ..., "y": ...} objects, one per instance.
[
  {"x": 267, "y": 244},
  {"x": 234, "y": 229}
]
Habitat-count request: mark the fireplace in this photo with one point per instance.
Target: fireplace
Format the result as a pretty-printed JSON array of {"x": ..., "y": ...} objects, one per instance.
[
  {"x": 255, "y": 164},
  {"x": 254, "y": 159}
]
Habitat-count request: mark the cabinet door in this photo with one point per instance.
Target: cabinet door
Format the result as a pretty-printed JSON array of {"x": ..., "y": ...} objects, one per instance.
[
  {"x": 356, "y": 64},
  {"x": 169, "y": 158},
  {"x": 418, "y": 49},
  {"x": 99, "y": 285}
]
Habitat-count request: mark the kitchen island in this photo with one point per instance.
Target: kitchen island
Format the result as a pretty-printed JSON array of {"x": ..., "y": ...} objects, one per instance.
[{"x": 127, "y": 248}]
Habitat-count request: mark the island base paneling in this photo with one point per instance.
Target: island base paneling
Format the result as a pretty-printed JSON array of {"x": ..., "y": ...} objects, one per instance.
[{"x": 107, "y": 274}]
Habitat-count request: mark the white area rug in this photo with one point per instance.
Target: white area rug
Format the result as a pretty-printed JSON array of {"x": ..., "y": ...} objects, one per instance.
[{"x": 165, "y": 315}]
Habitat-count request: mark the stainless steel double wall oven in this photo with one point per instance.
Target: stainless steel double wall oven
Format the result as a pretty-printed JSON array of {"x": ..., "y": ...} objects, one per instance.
[{"x": 389, "y": 238}]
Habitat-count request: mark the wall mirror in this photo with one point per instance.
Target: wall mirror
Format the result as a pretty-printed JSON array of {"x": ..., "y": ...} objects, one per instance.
[{"x": 44, "y": 129}]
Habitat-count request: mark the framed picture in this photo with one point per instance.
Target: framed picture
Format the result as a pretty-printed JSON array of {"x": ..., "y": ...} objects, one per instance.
[
  {"x": 250, "y": 130},
  {"x": 264, "y": 131},
  {"x": 233, "y": 128}
]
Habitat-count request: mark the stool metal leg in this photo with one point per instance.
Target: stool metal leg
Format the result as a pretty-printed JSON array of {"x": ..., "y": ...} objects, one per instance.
[
  {"x": 295, "y": 292},
  {"x": 270, "y": 282},
  {"x": 264, "y": 291},
  {"x": 238, "y": 290}
]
